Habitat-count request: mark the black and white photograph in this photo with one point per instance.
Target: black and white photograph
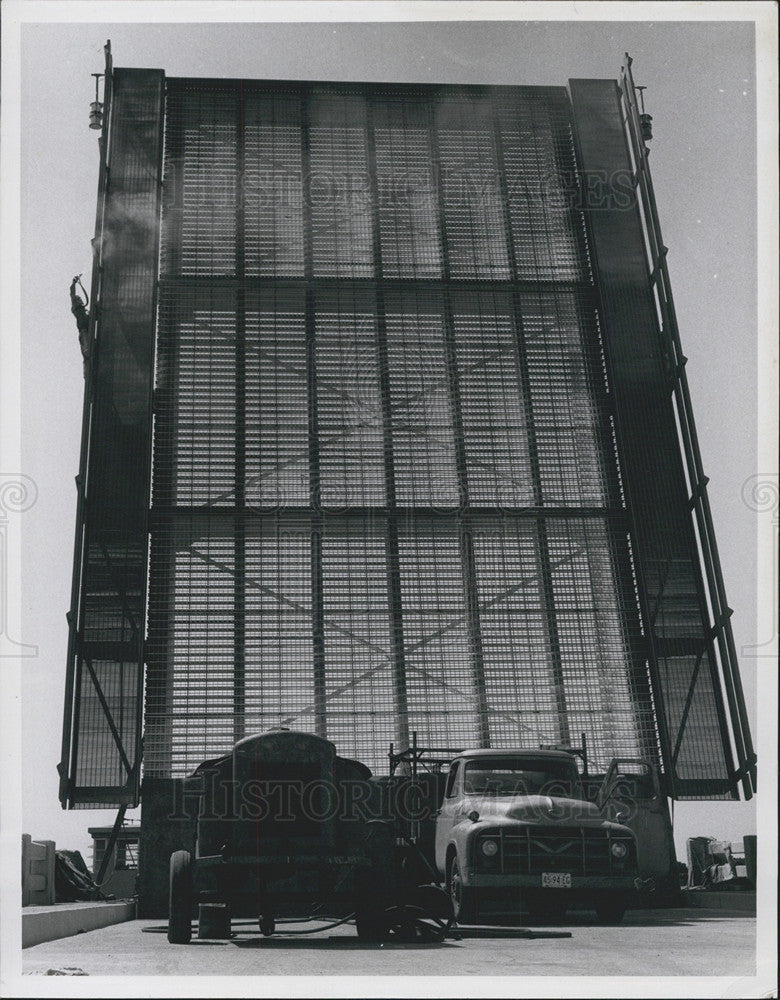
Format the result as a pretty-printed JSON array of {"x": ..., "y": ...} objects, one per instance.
[{"x": 389, "y": 499}]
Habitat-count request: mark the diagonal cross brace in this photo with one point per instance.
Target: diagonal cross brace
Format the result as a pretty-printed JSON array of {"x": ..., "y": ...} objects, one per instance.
[
  {"x": 109, "y": 717},
  {"x": 325, "y": 385},
  {"x": 412, "y": 648},
  {"x": 687, "y": 706}
]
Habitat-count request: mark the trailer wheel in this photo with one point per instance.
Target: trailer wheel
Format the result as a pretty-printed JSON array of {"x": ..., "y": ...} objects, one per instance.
[
  {"x": 371, "y": 924},
  {"x": 462, "y": 896},
  {"x": 423, "y": 916},
  {"x": 610, "y": 911},
  {"x": 180, "y": 898}
]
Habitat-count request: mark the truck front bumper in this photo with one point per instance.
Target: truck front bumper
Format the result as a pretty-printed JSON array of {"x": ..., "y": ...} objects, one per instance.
[{"x": 496, "y": 880}]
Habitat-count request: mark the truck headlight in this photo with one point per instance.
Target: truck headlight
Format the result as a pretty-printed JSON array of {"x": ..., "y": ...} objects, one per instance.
[
  {"x": 489, "y": 848},
  {"x": 619, "y": 849}
]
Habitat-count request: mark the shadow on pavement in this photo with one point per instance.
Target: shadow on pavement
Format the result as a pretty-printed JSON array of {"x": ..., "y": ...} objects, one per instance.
[
  {"x": 648, "y": 918},
  {"x": 244, "y": 938},
  {"x": 332, "y": 943},
  {"x": 689, "y": 916},
  {"x": 505, "y": 927},
  {"x": 494, "y": 931}
]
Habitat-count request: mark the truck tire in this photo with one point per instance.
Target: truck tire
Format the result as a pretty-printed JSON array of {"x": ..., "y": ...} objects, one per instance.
[
  {"x": 610, "y": 910},
  {"x": 462, "y": 896},
  {"x": 180, "y": 898}
]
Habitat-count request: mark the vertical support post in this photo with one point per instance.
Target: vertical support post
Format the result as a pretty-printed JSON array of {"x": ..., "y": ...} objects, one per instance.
[
  {"x": 239, "y": 524},
  {"x": 166, "y": 530},
  {"x": 392, "y": 559},
  {"x": 465, "y": 538},
  {"x": 109, "y": 850},
  {"x": 542, "y": 542},
  {"x": 315, "y": 494},
  {"x": 144, "y": 603}
]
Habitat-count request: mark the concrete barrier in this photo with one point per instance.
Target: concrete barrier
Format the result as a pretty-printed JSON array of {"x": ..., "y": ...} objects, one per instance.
[
  {"x": 48, "y": 923},
  {"x": 750, "y": 845},
  {"x": 37, "y": 871}
]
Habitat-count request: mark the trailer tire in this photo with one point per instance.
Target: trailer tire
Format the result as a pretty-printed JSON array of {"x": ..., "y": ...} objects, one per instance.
[
  {"x": 180, "y": 898},
  {"x": 371, "y": 924}
]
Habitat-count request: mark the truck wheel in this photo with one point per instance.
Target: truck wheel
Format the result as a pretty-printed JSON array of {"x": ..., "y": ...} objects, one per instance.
[
  {"x": 180, "y": 898},
  {"x": 462, "y": 896},
  {"x": 610, "y": 911}
]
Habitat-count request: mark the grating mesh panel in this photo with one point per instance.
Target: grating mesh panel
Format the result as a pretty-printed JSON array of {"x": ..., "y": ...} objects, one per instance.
[
  {"x": 406, "y": 190},
  {"x": 567, "y": 396},
  {"x": 591, "y": 638},
  {"x": 100, "y": 763},
  {"x": 516, "y": 647},
  {"x": 279, "y": 686},
  {"x": 277, "y": 439},
  {"x": 381, "y": 497},
  {"x": 593, "y": 623},
  {"x": 493, "y": 409},
  {"x": 338, "y": 185},
  {"x": 420, "y": 404},
  {"x": 201, "y": 181},
  {"x": 273, "y": 185},
  {"x": 349, "y": 409},
  {"x": 470, "y": 189},
  {"x": 358, "y": 677},
  {"x": 545, "y": 204},
  {"x": 195, "y": 430},
  {"x": 192, "y": 632},
  {"x": 442, "y": 697}
]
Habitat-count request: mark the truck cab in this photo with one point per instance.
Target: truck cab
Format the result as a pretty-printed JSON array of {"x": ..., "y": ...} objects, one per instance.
[{"x": 516, "y": 829}]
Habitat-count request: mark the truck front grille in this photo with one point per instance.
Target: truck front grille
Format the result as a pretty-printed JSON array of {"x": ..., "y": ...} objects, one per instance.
[{"x": 577, "y": 850}]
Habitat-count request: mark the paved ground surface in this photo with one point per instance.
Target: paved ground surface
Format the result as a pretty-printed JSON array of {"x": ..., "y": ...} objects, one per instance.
[{"x": 648, "y": 943}]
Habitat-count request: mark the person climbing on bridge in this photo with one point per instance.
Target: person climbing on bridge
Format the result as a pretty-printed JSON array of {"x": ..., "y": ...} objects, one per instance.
[{"x": 78, "y": 307}]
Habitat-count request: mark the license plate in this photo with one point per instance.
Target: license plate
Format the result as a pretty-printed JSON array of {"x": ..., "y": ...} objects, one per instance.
[{"x": 556, "y": 880}]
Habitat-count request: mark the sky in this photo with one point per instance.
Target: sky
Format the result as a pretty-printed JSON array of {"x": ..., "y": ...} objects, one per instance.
[{"x": 701, "y": 91}]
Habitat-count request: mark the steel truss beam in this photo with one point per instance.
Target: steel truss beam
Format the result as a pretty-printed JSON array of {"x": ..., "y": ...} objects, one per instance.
[{"x": 699, "y": 500}]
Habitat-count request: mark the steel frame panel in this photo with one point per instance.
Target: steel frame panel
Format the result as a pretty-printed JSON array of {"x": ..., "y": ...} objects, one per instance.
[
  {"x": 111, "y": 548},
  {"x": 712, "y": 581},
  {"x": 646, "y": 372}
]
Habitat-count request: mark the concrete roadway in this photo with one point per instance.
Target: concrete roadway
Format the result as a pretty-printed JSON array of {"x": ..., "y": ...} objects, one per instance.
[{"x": 682, "y": 942}]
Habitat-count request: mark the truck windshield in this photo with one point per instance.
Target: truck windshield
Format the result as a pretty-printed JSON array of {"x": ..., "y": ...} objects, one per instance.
[{"x": 520, "y": 776}]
